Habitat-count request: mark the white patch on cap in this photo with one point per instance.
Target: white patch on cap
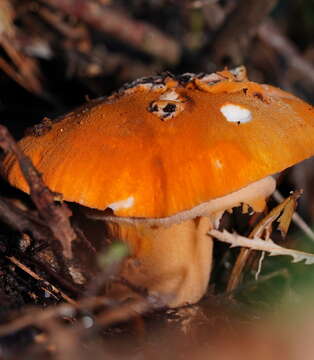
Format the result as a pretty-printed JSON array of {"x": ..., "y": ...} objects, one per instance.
[
  {"x": 122, "y": 204},
  {"x": 170, "y": 95},
  {"x": 236, "y": 113},
  {"x": 218, "y": 164}
]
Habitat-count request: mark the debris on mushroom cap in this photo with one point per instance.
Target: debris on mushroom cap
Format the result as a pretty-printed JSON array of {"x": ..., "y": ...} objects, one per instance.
[{"x": 175, "y": 156}]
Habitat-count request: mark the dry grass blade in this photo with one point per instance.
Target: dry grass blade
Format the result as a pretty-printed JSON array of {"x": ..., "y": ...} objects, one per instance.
[
  {"x": 284, "y": 212},
  {"x": 296, "y": 218},
  {"x": 285, "y": 218}
]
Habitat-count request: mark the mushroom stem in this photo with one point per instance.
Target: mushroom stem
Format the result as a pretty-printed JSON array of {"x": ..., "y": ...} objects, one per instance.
[{"x": 171, "y": 262}]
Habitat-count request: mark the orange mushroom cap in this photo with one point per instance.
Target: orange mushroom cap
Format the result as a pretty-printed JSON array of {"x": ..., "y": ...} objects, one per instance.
[{"x": 166, "y": 144}]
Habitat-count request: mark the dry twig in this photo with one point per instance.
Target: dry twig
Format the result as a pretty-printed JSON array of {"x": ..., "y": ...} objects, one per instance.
[
  {"x": 233, "y": 39},
  {"x": 271, "y": 35},
  {"x": 56, "y": 216},
  {"x": 47, "y": 286},
  {"x": 114, "y": 313},
  {"x": 261, "y": 245},
  {"x": 21, "y": 221},
  {"x": 138, "y": 34}
]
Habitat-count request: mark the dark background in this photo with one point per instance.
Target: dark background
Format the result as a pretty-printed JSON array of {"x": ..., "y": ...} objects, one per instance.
[{"x": 55, "y": 53}]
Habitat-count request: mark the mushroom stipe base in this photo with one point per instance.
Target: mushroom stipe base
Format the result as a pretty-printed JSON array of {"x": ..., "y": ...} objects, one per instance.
[{"x": 173, "y": 259}]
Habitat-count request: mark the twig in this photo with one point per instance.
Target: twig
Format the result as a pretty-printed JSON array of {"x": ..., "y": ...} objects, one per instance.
[
  {"x": 21, "y": 220},
  {"x": 128, "y": 310},
  {"x": 99, "y": 61},
  {"x": 138, "y": 34},
  {"x": 35, "y": 316},
  {"x": 56, "y": 216},
  {"x": 29, "y": 73},
  {"x": 116, "y": 313},
  {"x": 232, "y": 41},
  {"x": 49, "y": 286},
  {"x": 70, "y": 32},
  {"x": 261, "y": 245},
  {"x": 270, "y": 34}
]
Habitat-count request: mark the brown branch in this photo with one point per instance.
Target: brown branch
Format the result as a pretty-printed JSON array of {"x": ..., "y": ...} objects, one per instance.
[
  {"x": 232, "y": 41},
  {"x": 28, "y": 74},
  {"x": 114, "y": 313},
  {"x": 56, "y": 216},
  {"x": 21, "y": 221},
  {"x": 138, "y": 34},
  {"x": 34, "y": 316},
  {"x": 271, "y": 35},
  {"x": 47, "y": 286},
  {"x": 127, "y": 311}
]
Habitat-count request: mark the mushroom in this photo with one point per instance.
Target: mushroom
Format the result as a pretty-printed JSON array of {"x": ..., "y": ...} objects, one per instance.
[{"x": 161, "y": 160}]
